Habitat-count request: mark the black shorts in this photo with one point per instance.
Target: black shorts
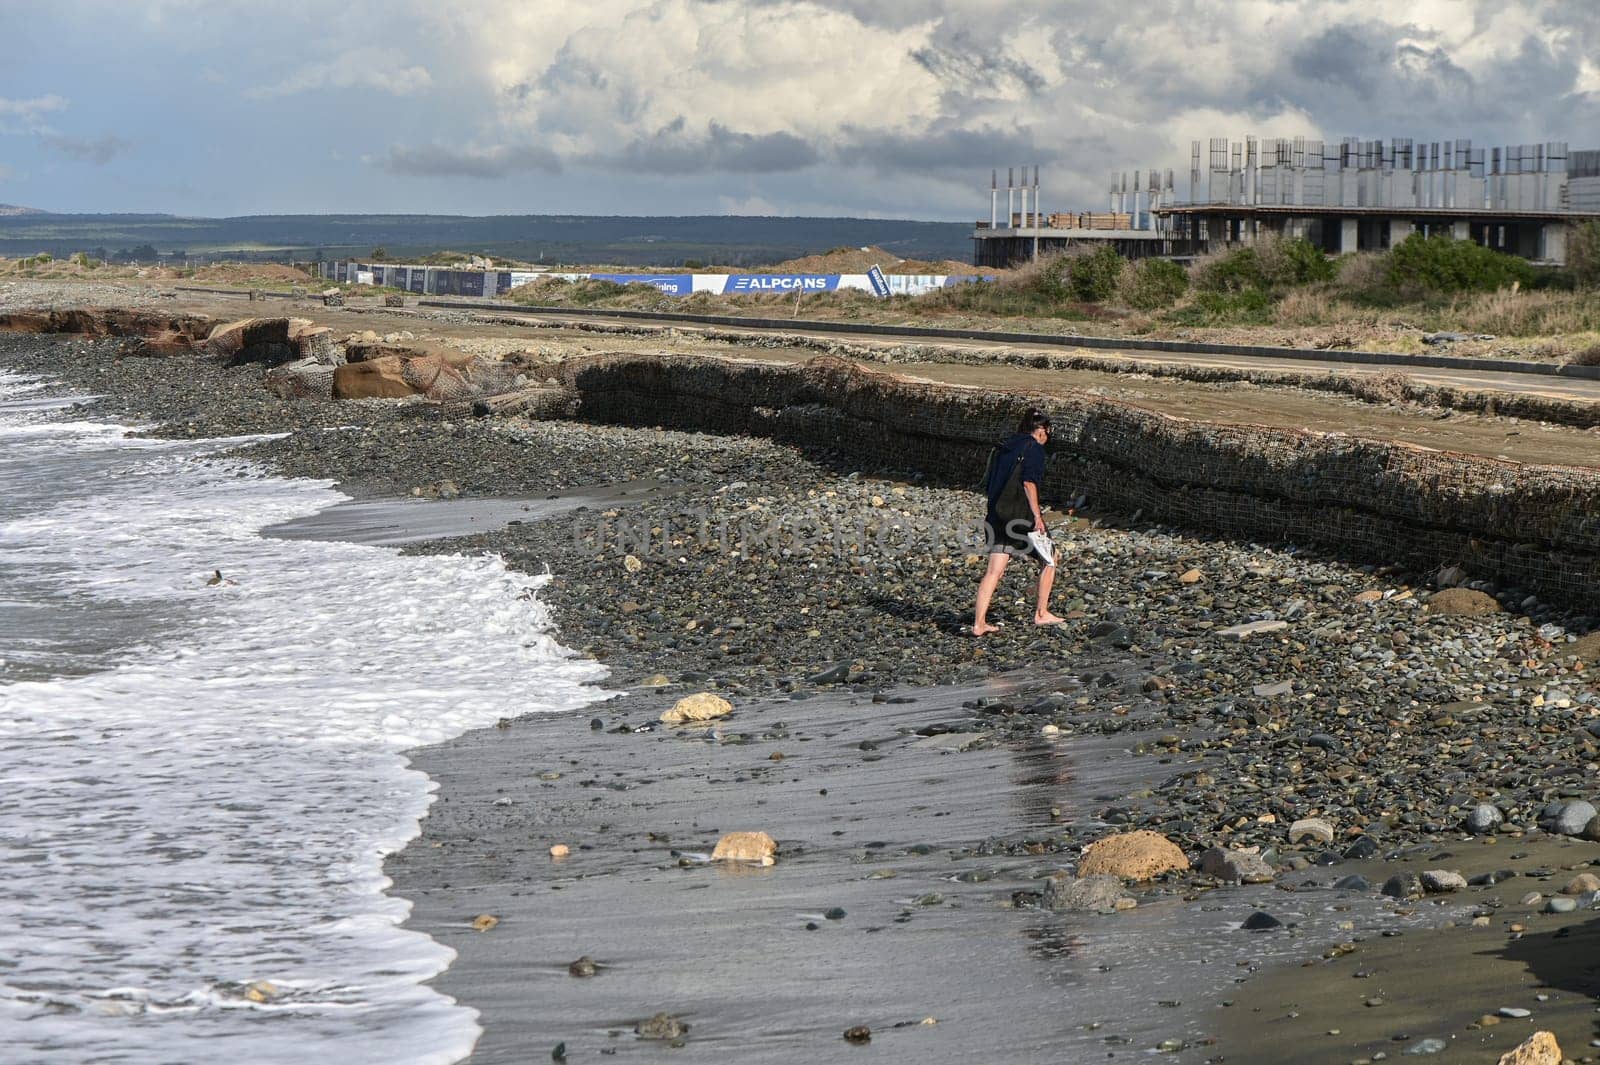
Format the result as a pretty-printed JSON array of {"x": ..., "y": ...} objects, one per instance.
[{"x": 1013, "y": 541}]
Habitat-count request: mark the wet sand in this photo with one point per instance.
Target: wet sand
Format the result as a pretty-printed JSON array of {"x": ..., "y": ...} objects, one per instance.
[
  {"x": 1439, "y": 982},
  {"x": 930, "y": 845},
  {"x": 397, "y": 522}
]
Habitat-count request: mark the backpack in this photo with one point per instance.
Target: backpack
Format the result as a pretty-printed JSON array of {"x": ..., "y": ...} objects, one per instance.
[{"x": 1011, "y": 504}]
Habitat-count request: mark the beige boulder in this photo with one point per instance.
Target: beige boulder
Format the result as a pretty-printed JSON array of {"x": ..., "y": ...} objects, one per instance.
[
  {"x": 746, "y": 847},
  {"x": 1133, "y": 856},
  {"x": 1463, "y": 602},
  {"x": 380, "y": 378},
  {"x": 1540, "y": 1048},
  {"x": 701, "y": 706}
]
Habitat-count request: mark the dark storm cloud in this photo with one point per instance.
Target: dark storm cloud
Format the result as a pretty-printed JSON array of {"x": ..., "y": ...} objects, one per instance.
[
  {"x": 673, "y": 149},
  {"x": 433, "y": 160},
  {"x": 953, "y": 150},
  {"x": 966, "y": 65}
]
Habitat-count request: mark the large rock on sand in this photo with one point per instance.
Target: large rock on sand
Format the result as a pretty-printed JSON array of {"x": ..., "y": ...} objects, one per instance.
[
  {"x": 1236, "y": 866},
  {"x": 1463, "y": 602},
  {"x": 746, "y": 847},
  {"x": 1091, "y": 894},
  {"x": 1540, "y": 1048},
  {"x": 702, "y": 706},
  {"x": 442, "y": 376},
  {"x": 1132, "y": 856}
]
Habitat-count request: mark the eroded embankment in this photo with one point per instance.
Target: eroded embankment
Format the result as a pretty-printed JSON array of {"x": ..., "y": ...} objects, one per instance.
[
  {"x": 1525, "y": 527},
  {"x": 1535, "y": 528}
]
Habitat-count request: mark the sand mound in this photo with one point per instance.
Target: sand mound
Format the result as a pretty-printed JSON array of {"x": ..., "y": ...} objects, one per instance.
[
  {"x": 253, "y": 274},
  {"x": 859, "y": 260},
  {"x": 1463, "y": 602}
]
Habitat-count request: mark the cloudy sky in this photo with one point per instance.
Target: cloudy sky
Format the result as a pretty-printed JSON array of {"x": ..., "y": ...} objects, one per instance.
[{"x": 215, "y": 107}]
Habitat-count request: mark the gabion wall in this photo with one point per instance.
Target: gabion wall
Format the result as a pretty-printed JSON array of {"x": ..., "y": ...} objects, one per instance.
[{"x": 1535, "y": 528}]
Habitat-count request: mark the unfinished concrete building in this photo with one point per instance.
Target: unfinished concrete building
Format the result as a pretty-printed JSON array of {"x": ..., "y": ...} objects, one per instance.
[
  {"x": 1024, "y": 231},
  {"x": 1368, "y": 195}
]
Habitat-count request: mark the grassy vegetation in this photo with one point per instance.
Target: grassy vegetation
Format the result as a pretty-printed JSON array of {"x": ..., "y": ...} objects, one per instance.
[
  {"x": 1424, "y": 284},
  {"x": 1275, "y": 291}
]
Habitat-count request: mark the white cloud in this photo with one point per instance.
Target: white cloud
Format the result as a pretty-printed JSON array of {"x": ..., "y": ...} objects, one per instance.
[
  {"x": 900, "y": 108},
  {"x": 934, "y": 94},
  {"x": 28, "y": 114},
  {"x": 367, "y": 67},
  {"x": 38, "y": 105}
]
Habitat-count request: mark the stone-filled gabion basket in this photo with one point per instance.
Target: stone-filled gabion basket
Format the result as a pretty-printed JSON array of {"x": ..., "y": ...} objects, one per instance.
[{"x": 1527, "y": 526}]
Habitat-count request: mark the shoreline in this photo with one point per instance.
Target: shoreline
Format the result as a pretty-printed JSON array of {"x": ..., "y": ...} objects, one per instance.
[{"x": 1370, "y": 678}]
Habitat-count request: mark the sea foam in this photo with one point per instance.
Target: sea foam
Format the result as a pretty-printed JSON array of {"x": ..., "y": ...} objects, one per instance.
[{"x": 193, "y": 830}]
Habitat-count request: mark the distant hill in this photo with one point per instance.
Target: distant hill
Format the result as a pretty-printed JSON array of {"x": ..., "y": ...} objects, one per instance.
[
  {"x": 551, "y": 239},
  {"x": 11, "y": 210}
]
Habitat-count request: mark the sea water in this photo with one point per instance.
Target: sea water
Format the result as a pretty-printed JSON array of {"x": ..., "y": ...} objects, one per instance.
[{"x": 201, "y": 753}]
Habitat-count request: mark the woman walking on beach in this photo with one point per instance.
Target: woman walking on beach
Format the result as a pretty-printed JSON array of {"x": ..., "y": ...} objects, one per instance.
[{"x": 1014, "y": 523}]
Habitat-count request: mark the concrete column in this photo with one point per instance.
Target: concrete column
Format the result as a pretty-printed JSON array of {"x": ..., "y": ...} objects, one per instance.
[
  {"x": 1461, "y": 230},
  {"x": 1553, "y": 243},
  {"x": 1349, "y": 235},
  {"x": 1399, "y": 231}
]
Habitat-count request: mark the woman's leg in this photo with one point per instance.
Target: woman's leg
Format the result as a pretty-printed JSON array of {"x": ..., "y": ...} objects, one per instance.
[
  {"x": 1041, "y": 610},
  {"x": 986, "y": 587}
]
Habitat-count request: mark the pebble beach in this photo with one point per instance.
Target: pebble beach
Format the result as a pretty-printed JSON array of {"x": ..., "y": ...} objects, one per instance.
[{"x": 1313, "y": 729}]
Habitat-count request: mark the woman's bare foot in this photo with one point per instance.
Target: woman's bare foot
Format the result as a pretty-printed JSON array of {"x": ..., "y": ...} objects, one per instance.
[
  {"x": 1048, "y": 618},
  {"x": 984, "y": 629}
]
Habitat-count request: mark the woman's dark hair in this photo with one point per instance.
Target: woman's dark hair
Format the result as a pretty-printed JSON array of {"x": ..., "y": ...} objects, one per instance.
[{"x": 1034, "y": 419}]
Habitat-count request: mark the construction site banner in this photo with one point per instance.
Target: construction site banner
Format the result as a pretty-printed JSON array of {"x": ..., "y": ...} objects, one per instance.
[
  {"x": 781, "y": 283},
  {"x": 441, "y": 281},
  {"x": 671, "y": 284}
]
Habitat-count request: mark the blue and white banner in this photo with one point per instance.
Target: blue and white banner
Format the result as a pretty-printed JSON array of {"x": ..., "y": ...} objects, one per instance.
[
  {"x": 445, "y": 282},
  {"x": 671, "y": 284},
  {"x": 780, "y": 283}
]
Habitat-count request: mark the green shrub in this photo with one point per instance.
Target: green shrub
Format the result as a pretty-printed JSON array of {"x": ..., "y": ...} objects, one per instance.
[
  {"x": 1232, "y": 271},
  {"x": 1583, "y": 255},
  {"x": 1094, "y": 278},
  {"x": 1044, "y": 280},
  {"x": 1441, "y": 265},
  {"x": 1293, "y": 262},
  {"x": 1247, "y": 306},
  {"x": 1155, "y": 283}
]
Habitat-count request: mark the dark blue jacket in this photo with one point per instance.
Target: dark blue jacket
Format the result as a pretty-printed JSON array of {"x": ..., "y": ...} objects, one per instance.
[{"x": 1032, "y": 453}]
